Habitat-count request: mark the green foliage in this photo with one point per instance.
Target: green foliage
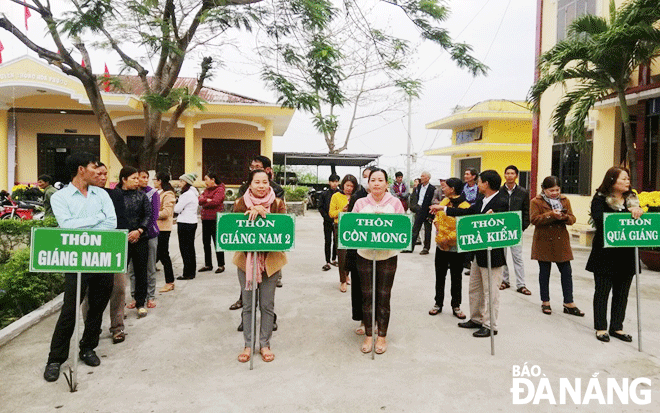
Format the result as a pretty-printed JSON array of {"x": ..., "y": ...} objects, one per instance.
[
  {"x": 176, "y": 97},
  {"x": 22, "y": 291},
  {"x": 295, "y": 193},
  {"x": 15, "y": 233}
]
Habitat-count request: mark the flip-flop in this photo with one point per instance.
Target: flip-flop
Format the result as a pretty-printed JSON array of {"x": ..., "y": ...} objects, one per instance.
[
  {"x": 243, "y": 358},
  {"x": 360, "y": 331},
  {"x": 342, "y": 287},
  {"x": 151, "y": 304},
  {"x": 366, "y": 349},
  {"x": 131, "y": 305},
  {"x": 524, "y": 290},
  {"x": 267, "y": 357},
  {"x": 381, "y": 349}
]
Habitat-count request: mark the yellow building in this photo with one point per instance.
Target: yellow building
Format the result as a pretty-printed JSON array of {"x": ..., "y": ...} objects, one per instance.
[
  {"x": 44, "y": 115},
  {"x": 581, "y": 170},
  {"x": 489, "y": 135}
]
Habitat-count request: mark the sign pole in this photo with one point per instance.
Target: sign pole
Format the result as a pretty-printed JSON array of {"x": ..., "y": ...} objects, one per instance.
[
  {"x": 639, "y": 309},
  {"x": 76, "y": 345},
  {"x": 374, "y": 336},
  {"x": 254, "y": 306},
  {"x": 490, "y": 305}
]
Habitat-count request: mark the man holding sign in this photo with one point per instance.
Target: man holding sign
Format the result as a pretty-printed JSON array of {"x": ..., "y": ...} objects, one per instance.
[
  {"x": 81, "y": 205},
  {"x": 489, "y": 200}
]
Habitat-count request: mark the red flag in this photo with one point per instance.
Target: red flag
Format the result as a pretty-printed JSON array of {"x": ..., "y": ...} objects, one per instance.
[
  {"x": 1, "y": 49},
  {"x": 106, "y": 74},
  {"x": 83, "y": 62},
  {"x": 27, "y": 16}
]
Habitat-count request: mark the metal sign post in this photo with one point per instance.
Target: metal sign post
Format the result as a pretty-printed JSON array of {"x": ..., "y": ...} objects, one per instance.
[
  {"x": 254, "y": 308},
  {"x": 620, "y": 230},
  {"x": 78, "y": 251},
  {"x": 490, "y": 305},
  {"x": 639, "y": 308},
  {"x": 486, "y": 232},
  {"x": 374, "y": 336}
]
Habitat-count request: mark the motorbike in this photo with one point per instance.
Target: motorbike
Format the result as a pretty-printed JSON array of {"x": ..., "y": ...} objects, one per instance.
[{"x": 10, "y": 209}]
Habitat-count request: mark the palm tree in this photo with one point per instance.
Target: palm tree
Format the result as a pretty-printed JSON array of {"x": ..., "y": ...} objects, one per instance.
[{"x": 598, "y": 57}]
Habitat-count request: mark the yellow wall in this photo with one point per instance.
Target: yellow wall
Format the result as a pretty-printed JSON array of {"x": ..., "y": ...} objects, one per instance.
[{"x": 509, "y": 131}]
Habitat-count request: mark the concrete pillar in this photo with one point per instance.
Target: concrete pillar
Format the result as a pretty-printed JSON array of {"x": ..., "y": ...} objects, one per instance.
[
  {"x": 189, "y": 151},
  {"x": 267, "y": 141},
  {"x": 105, "y": 150},
  {"x": 4, "y": 142}
]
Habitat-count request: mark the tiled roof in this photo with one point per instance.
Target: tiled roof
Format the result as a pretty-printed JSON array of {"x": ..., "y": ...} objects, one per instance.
[{"x": 133, "y": 85}]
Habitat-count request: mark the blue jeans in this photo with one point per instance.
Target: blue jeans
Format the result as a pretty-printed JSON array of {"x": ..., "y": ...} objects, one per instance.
[{"x": 566, "y": 280}]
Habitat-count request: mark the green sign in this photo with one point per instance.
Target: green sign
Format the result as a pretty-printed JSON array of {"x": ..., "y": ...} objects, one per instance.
[
  {"x": 374, "y": 231},
  {"x": 621, "y": 230},
  {"x": 234, "y": 232},
  {"x": 478, "y": 232},
  {"x": 78, "y": 250}
]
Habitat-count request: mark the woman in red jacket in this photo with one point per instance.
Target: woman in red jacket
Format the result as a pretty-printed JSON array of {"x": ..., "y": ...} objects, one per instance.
[{"x": 212, "y": 201}]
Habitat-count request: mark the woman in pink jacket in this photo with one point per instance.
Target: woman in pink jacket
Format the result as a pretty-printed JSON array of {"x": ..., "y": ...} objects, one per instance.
[
  {"x": 212, "y": 201},
  {"x": 379, "y": 201}
]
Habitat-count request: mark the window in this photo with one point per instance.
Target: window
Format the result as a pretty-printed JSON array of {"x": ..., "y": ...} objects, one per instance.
[
  {"x": 568, "y": 10},
  {"x": 571, "y": 163}
]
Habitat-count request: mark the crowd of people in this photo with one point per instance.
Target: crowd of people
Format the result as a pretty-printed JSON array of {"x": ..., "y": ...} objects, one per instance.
[{"x": 147, "y": 213}]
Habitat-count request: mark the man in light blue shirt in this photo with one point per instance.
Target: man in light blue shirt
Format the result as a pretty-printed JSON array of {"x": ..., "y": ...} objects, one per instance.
[{"x": 81, "y": 205}]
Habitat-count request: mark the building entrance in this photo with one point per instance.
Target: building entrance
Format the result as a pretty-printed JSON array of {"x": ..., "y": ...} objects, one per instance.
[{"x": 53, "y": 150}]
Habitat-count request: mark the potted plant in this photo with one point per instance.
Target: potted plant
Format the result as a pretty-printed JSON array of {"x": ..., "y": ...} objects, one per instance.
[
  {"x": 650, "y": 202},
  {"x": 296, "y": 199}
]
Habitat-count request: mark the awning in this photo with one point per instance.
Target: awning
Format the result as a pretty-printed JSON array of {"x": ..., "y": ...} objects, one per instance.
[{"x": 320, "y": 159}]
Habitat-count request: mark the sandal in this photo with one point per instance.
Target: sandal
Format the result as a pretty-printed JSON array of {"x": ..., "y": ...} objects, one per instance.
[
  {"x": 205, "y": 268},
  {"x": 334, "y": 263},
  {"x": 504, "y": 285},
  {"x": 524, "y": 290},
  {"x": 166, "y": 288},
  {"x": 366, "y": 348},
  {"x": 244, "y": 357},
  {"x": 326, "y": 267},
  {"x": 382, "y": 347},
  {"x": 151, "y": 304},
  {"x": 435, "y": 310},
  {"x": 458, "y": 313},
  {"x": 220, "y": 269},
  {"x": 342, "y": 287},
  {"x": 573, "y": 311},
  {"x": 348, "y": 281},
  {"x": 546, "y": 309},
  {"x": 238, "y": 304},
  {"x": 360, "y": 331},
  {"x": 131, "y": 305},
  {"x": 118, "y": 337},
  {"x": 268, "y": 355}
]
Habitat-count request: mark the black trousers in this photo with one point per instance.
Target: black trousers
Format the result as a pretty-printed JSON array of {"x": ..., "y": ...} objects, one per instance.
[
  {"x": 138, "y": 253},
  {"x": 163, "y": 255},
  {"x": 356, "y": 287},
  {"x": 452, "y": 261},
  {"x": 208, "y": 240},
  {"x": 620, "y": 287},
  {"x": 186, "y": 235},
  {"x": 98, "y": 288},
  {"x": 420, "y": 219},
  {"x": 330, "y": 241}
]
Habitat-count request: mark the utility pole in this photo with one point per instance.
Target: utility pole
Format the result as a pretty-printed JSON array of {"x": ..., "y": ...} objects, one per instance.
[{"x": 409, "y": 141}]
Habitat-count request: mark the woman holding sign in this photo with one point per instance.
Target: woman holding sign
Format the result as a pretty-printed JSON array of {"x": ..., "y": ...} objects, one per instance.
[
  {"x": 378, "y": 201},
  {"x": 550, "y": 213},
  {"x": 259, "y": 200},
  {"x": 613, "y": 269}
]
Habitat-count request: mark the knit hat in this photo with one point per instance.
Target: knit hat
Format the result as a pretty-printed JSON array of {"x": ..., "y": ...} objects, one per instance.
[{"x": 189, "y": 178}]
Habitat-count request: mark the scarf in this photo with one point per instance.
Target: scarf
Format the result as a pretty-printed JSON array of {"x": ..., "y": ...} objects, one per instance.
[
  {"x": 554, "y": 203},
  {"x": 251, "y": 201},
  {"x": 457, "y": 200}
]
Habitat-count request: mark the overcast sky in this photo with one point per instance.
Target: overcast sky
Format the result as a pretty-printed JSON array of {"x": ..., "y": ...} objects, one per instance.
[{"x": 502, "y": 33}]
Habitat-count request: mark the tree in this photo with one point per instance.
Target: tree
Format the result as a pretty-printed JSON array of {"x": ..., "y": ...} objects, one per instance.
[
  {"x": 595, "y": 60},
  {"x": 162, "y": 34},
  {"x": 350, "y": 63}
]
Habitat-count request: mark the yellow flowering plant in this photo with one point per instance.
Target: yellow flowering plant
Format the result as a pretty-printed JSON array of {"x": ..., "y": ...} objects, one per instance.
[
  {"x": 22, "y": 192},
  {"x": 649, "y": 201}
]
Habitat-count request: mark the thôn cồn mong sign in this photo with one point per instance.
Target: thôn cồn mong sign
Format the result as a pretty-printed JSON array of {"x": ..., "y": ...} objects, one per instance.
[
  {"x": 479, "y": 232},
  {"x": 621, "y": 230},
  {"x": 236, "y": 233},
  {"x": 374, "y": 231},
  {"x": 78, "y": 250}
]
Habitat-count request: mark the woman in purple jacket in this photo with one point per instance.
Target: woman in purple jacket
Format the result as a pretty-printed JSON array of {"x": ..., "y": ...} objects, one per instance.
[{"x": 212, "y": 201}]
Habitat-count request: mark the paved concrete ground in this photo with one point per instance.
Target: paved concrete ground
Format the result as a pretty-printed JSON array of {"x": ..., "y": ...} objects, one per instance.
[{"x": 182, "y": 356}]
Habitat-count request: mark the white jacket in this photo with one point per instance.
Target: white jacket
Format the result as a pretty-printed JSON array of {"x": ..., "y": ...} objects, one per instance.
[{"x": 187, "y": 206}]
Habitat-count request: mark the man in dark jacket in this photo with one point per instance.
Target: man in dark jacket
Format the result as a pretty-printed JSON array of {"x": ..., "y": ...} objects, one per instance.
[
  {"x": 489, "y": 200},
  {"x": 424, "y": 195},
  {"x": 328, "y": 223},
  {"x": 518, "y": 199},
  {"x": 262, "y": 162}
]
